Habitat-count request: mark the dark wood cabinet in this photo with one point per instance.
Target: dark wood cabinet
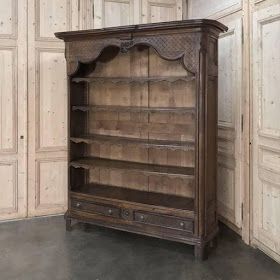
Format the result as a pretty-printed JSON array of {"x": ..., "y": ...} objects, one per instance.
[{"x": 143, "y": 129}]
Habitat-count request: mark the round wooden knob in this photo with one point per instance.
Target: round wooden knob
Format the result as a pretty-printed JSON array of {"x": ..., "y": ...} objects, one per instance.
[
  {"x": 142, "y": 217},
  {"x": 182, "y": 224},
  {"x": 126, "y": 213},
  {"x": 110, "y": 211}
]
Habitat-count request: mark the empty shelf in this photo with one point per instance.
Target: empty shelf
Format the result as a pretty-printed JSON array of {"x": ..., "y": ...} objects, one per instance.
[
  {"x": 177, "y": 110},
  {"x": 136, "y": 196},
  {"x": 164, "y": 144},
  {"x": 133, "y": 79},
  {"x": 92, "y": 162}
]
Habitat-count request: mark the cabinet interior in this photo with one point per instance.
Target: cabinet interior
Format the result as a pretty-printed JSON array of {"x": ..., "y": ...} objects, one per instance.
[{"x": 132, "y": 128}]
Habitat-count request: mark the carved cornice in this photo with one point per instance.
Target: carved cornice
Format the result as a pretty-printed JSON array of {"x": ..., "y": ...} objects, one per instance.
[{"x": 168, "y": 46}]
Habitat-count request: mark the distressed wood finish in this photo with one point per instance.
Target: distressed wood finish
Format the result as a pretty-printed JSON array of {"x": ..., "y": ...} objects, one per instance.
[
  {"x": 47, "y": 105},
  {"x": 143, "y": 138},
  {"x": 109, "y": 13},
  {"x": 266, "y": 128},
  {"x": 13, "y": 109}
]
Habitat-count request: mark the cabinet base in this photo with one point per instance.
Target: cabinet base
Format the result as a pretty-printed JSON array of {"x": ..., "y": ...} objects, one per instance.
[{"x": 201, "y": 247}]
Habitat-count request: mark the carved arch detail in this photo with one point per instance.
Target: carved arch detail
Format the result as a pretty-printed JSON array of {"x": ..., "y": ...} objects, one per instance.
[{"x": 168, "y": 46}]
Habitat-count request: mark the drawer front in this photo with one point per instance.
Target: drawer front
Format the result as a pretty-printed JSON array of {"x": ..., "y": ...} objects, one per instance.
[
  {"x": 164, "y": 221},
  {"x": 96, "y": 208}
]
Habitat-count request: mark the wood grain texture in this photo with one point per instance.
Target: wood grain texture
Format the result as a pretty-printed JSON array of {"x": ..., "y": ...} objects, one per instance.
[
  {"x": 266, "y": 130},
  {"x": 13, "y": 110},
  {"x": 125, "y": 108}
]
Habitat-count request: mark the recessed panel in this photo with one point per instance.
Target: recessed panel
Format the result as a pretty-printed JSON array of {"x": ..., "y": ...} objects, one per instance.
[
  {"x": 270, "y": 159},
  {"x": 7, "y": 17},
  {"x": 117, "y": 13},
  {"x": 227, "y": 73},
  {"x": 226, "y": 186},
  {"x": 8, "y": 99},
  {"x": 51, "y": 183},
  {"x": 52, "y": 16},
  {"x": 202, "y": 8},
  {"x": 271, "y": 209},
  {"x": 270, "y": 76},
  {"x": 52, "y": 100},
  {"x": 160, "y": 13},
  {"x": 8, "y": 190}
]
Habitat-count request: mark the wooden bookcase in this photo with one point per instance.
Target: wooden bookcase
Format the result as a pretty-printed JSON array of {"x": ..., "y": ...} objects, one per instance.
[{"x": 142, "y": 129}]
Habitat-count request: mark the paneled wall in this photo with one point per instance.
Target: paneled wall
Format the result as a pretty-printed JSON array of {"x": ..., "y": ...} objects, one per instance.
[
  {"x": 13, "y": 108},
  {"x": 213, "y": 8},
  {"x": 249, "y": 131},
  {"x": 124, "y": 12},
  {"x": 266, "y": 126},
  {"x": 47, "y": 105},
  {"x": 47, "y": 111}
]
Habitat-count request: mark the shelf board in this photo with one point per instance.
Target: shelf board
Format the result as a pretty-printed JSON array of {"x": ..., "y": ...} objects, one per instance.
[
  {"x": 138, "y": 109},
  {"x": 129, "y": 80},
  {"x": 136, "y": 196},
  {"x": 118, "y": 140},
  {"x": 92, "y": 162}
]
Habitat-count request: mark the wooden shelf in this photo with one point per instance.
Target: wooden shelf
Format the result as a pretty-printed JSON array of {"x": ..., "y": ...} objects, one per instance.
[
  {"x": 92, "y": 162},
  {"x": 133, "y": 109},
  {"x": 118, "y": 140},
  {"x": 129, "y": 80},
  {"x": 136, "y": 196}
]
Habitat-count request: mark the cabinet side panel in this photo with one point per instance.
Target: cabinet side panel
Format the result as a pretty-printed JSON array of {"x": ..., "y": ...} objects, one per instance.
[{"x": 211, "y": 116}]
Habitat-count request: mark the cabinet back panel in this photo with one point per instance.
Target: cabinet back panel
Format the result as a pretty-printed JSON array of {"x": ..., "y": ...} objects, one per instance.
[
  {"x": 153, "y": 125},
  {"x": 135, "y": 180},
  {"x": 161, "y": 156}
]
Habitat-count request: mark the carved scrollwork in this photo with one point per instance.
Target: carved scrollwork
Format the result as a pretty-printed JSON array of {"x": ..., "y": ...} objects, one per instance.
[
  {"x": 126, "y": 45},
  {"x": 168, "y": 46}
]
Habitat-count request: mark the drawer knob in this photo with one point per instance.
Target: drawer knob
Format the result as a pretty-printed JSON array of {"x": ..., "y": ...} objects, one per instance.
[
  {"x": 78, "y": 204},
  {"x": 110, "y": 211},
  {"x": 126, "y": 213},
  {"x": 142, "y": 218},
  {"x": 182, "y": 224}
]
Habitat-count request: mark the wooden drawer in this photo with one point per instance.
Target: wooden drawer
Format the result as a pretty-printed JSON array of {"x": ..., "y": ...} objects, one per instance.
[
  {"x": 164, "y": 221},
  {"x": 102, "y": 209}
]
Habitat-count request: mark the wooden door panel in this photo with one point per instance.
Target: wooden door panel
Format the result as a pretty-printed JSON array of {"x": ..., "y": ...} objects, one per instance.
[
  {"x": 161, "y": 10},
  {"x": 13, "y": 67},
  {"x": 47, "y": 171},
  {"x": 266, "y": 130},
  {"x": 124, "y": 12},
  {"x": 212, "y": 8},
  {"x": 8, "y": 26},
  {"x": 229, "y": 127},
  {"x": 51, "y": 16},
  {"x": 8, "y": 191},
  {"x": 8, "y": 89},
  {"x": 51, "y": 129},
  {"x": 51, "y": 180},
  {"x": 109, "y": 13}
]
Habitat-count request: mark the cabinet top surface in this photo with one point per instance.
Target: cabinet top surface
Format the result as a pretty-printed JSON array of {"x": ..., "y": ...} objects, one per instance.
[{"x": 129, "y": 29}]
